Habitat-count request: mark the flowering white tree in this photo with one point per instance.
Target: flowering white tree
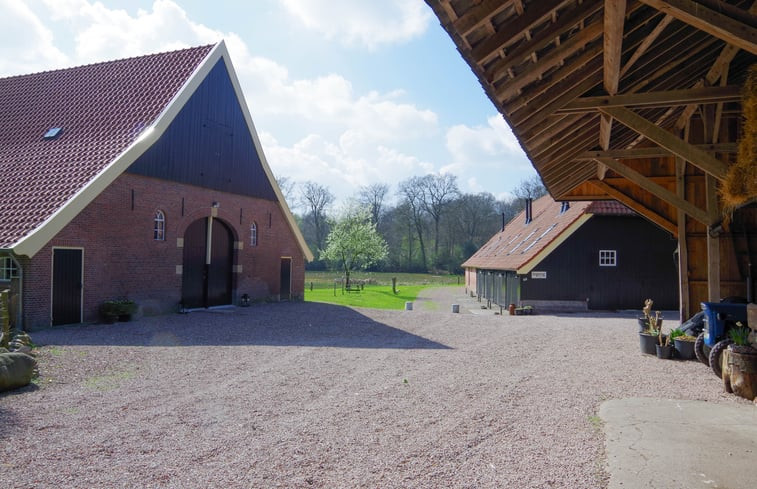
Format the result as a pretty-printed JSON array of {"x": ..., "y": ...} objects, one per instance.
[{"x": 354, "y": 243}]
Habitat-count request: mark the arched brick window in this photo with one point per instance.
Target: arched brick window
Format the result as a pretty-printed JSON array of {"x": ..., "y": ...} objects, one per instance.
[
  {"x": 254, "y": 234},
  {"x": 159, "y": 231}
]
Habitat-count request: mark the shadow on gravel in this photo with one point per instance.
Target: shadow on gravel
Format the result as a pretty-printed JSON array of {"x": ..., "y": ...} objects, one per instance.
[{"x": 283, "y": 324}]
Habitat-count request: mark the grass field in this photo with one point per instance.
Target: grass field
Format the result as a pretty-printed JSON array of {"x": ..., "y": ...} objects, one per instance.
[{"x": 377, "y": 288}]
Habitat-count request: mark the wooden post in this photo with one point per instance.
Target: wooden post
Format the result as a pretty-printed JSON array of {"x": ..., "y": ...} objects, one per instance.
[
  {"x": 713, "y": 242},
  {"x": 683, "y": 250}
]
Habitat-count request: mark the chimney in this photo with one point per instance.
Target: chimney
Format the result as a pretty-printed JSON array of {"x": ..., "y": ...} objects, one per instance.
[
  {"x": 564, "y": 206},
  {"x": 503, "y": 221},
  {"x": 529, "y": 211}
]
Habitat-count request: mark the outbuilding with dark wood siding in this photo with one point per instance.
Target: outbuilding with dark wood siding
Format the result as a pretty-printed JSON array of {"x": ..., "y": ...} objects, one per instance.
[{"x": 560, "y": 256}]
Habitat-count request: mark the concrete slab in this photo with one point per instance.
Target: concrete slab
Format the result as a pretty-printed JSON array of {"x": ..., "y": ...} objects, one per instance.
[{"x": 669, "y": 444}]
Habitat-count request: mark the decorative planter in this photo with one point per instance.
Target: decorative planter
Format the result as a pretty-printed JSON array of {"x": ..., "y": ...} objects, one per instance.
[
  {"x": 685, "y": 349},
  {"x": 664, "y": 351},
  {"x": 740, "y": 373},
  {"x": 647, "y": 343}
]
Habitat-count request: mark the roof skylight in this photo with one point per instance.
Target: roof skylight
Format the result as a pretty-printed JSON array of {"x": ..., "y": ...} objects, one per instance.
[{"x": 53, "y": 133}]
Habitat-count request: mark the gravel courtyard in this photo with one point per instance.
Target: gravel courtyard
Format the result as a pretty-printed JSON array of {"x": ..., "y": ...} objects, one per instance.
[{"x": 312, "y": 395}]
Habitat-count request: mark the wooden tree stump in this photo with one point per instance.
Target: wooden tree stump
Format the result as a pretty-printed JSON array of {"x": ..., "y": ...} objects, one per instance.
[{"x": 740, "y": 374}]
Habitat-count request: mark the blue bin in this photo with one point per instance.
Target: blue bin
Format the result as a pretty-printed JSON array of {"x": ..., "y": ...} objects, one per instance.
[{"x": 719, "y": 317}]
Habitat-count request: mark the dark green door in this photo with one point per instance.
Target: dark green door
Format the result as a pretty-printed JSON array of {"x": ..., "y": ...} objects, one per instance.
[{"x": 207, "y": 274}]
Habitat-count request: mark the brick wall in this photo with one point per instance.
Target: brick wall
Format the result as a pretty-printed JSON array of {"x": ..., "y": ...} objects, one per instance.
[{"x": 122, "y": 260}]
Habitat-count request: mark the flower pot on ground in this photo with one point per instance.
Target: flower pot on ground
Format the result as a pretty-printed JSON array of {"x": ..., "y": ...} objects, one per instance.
[
  {"x": 683, "y": 344},
  {"x": 647, "y": 343},
  {"x": 651, "y": 335},
  {"x": 664, "y": 351},
  {"x": 739, "y": 363},
  {"x": 121, "y": 310}
]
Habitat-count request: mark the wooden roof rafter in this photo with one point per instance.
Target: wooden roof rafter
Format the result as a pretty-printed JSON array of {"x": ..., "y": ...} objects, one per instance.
[{"x": 615, "y": 79}]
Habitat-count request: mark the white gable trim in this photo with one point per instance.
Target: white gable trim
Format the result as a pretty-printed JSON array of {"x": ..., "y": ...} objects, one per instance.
[{"x": 34, "y": 241}]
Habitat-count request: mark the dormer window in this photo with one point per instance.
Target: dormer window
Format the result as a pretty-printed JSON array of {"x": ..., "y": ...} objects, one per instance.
[{"x": 159, "y": 231}]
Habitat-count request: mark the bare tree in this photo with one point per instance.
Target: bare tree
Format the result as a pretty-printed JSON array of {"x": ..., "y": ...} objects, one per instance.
[
  {"x": 372, "y": 196},
  {"x": 286, "y": 185},
  {"x": 412, "y": 193},
  {"x": 317, "y": 198},
  {"x": 438, "y": 192},
  {"x": 531, "y": 188}
]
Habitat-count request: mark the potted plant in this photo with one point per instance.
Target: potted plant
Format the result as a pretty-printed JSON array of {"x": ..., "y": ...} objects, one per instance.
[
  {"x": 118, "y": 310},
  {"x": 683, "y": 343},
  {"x": 663, "y": 348},
  {"x": 740, "y": 363},
  {"x": 650, "y": 336}
]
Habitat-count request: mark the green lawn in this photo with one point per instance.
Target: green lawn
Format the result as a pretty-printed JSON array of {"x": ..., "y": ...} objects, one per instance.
[{"x": 377, "y": 292}]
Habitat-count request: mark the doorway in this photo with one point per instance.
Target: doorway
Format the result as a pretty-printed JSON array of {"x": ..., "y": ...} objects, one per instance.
[
  {"x": 67, "y": 286},
  {"x": 207, "y": 264},
  {"x": 285, "y": 292}
]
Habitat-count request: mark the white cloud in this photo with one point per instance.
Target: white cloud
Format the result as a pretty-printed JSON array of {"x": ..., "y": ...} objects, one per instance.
[
  {"x": 26, "y": 44},
  {"x": 363, "y": 22},
  {"x": 324, "y": 129},
  {"x": 103, "y": 33}
]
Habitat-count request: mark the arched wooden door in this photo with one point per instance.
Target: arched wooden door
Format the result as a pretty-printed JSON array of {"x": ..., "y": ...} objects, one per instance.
[{"x": 207, "y": 264}]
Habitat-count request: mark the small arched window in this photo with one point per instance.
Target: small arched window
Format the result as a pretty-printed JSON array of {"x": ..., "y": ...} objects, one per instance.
[
  {"x": 159, "y": 232},
  {"x": 254, "y": 234}
]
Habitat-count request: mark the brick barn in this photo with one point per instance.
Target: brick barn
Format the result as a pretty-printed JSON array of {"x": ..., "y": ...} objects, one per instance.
[
  {"x": 140, "y": 179},
  {"x": 560, "y": 256}
]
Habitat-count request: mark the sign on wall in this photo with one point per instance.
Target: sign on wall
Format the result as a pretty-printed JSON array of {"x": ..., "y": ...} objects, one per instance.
[{"x": 538, "y": 274}]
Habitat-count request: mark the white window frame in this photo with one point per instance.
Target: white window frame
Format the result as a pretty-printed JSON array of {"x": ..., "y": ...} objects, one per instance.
[
  {"x": 8, "y": 269},
  {"x": 608, "y": 258},
  {"x": 254, "y": 234},
  {"x": 159, "y": 230}
]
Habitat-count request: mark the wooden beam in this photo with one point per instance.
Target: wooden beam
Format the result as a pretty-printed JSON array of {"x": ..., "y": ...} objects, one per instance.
[
  {"x": 665, "y": 98},
  {"x": 654, "y": 152},
  {"x": 514, "y": 30},
  {"x": 614, "y": 21},
  {"x": 576, "y": 43},
  {"x": 656, "y": 190},
  {"x": 478, "y": 15},
  {"x": 635, "y": 205},
  {"x": 690, "y": 153},
  {"x": 720, "y": 25},
  {"x": 542, "y": 39},
  {"x": 646, "y": 43}
]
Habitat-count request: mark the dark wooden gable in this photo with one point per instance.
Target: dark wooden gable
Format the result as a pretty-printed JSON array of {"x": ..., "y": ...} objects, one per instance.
[{"x": 208, "y": 144}]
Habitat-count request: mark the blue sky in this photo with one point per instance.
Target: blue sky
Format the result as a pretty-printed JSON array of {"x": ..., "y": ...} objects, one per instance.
[{"x": 342, "y": 92}]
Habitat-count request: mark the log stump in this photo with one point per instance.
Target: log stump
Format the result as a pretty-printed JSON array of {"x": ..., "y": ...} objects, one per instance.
[{"x": 740, "y": 373}]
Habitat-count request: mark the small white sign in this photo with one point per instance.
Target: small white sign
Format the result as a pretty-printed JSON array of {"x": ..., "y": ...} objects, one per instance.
[{"x": 538, "y": 274}]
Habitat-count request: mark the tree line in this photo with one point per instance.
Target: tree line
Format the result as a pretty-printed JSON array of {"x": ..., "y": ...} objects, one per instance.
[{"x": 428, "y": 224}]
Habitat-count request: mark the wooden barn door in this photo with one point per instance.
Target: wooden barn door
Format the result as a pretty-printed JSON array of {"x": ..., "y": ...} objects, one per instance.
[
  {"x": 67, "y": 286},
  {"x": 207, "y": 264},
  {"x": 221, "y": 262},
  {"x": 285, "y": 293}
]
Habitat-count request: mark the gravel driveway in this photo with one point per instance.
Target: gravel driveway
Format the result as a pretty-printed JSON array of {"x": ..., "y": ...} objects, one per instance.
[{"x": 312, "y": 395}]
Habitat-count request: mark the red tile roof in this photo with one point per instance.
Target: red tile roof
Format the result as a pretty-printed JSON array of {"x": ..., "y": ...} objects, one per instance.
[
  {"x": 519, "y": 243},
  {"x": 101, "y": 108}
]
